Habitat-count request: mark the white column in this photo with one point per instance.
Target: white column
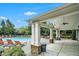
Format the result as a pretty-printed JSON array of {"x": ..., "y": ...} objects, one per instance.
[
  {"x": 35, "y": 47},
  {"x": 51, "y": 33},
  {"x": 37, "y": 34},
  {"x": 57, "y": 33},
  {"x": 33, "y": 34}
]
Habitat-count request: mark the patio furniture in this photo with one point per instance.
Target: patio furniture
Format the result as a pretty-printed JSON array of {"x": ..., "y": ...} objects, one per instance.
[
  {"x": 17, "y": 42},
  {"x": 1, "y": 42},
  {"x": 10, "y": 43}
]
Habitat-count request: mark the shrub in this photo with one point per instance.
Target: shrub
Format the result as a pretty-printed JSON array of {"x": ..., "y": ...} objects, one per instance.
[{"x": 13, "y": 51}]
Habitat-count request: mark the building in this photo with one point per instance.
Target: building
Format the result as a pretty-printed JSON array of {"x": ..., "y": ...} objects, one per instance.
[{"x": 65, "y": 17}]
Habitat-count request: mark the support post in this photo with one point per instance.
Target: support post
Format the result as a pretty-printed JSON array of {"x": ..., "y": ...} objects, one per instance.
[
  {"x": 33, "y": 34},
  {"x": 36, "y": 47},
  {"x": 76, "y": 34},
  {"x": 58, "y": 34},
  {"x": 51, "y": 40}
]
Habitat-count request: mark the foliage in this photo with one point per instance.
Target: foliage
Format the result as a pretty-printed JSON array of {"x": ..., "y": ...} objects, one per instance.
[
  {"x": 0, "y": 31},
  {"x": 45, "y": 31},
  {"x": 24, "y": 30},
  {"x": 6, "y": 27},
  {"x": 3, "y": 27},
  {"x": 66, "y": 33},
  {"x": 9, "y": 27},
  {"x": 13, "y": 51}
]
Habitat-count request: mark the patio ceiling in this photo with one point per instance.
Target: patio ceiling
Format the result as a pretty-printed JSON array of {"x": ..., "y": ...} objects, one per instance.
[
  {"x": 63, "y": 10},
  {"x": 47, "y": 25}
]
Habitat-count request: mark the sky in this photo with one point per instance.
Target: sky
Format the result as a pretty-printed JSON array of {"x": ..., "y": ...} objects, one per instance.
[{"x": 18, "y": 13}]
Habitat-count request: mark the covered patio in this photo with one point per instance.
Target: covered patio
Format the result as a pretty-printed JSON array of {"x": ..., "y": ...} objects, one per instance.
[
  {"x": 63, "y": 18},
  {"x": 58, "y": 48}
]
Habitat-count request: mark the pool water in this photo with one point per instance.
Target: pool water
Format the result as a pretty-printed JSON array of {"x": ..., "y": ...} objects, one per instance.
[{"x": 22, "y": 39}]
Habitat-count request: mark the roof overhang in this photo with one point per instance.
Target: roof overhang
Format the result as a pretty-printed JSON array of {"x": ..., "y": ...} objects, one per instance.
[{"x": 63, "y": 10}]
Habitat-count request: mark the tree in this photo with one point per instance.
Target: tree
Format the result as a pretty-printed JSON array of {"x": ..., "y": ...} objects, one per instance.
[
  {"x": 9, "y": 27},
  {"x": 24, "y": 30},
  {"x": 0, "y": 31},
  {"x": 3, "y": 27},
  {"x": 29, "y": 30},
  {"x": 45, "y": 31}
]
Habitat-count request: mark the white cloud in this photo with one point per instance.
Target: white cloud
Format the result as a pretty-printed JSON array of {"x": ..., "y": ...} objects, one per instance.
[
  {"x": 4, "y": 18},
  {"x": 30, "y": 13}
]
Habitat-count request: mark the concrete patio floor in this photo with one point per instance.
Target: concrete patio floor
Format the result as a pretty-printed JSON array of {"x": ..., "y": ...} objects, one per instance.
[{"x": 62, "y": 47}]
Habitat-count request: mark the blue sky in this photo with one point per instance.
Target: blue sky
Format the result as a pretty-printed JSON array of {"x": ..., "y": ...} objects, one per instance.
[{"x": 17, "y": 13}]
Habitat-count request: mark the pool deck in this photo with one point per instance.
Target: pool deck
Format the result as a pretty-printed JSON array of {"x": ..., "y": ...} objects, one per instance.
[{"x": 62, "y": 47}]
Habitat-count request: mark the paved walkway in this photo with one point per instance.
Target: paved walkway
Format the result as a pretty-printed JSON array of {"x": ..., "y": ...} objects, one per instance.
[
  {"x": 63, "y": 48},
  {"x": 59, "y": 48}
]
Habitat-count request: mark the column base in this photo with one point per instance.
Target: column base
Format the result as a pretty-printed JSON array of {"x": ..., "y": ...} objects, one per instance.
[
  {"x": 51, "y": 40},
  {"x": 35, "y": 50},
  {"x": 58, "y": 38},
  {"x": 74, "y": 39}
]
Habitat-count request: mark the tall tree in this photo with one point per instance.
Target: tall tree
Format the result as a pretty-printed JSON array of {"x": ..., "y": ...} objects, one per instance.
[
  {"x": 3, "y": 27},
  {"x": 9, "y": 27}
]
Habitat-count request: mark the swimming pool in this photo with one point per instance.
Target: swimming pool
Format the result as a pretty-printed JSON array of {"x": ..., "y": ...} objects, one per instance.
[{"x": 22, "y": 39}]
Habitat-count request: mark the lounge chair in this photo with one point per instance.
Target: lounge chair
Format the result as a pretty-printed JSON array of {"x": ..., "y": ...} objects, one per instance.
[
  {"x": 1, "y": 42},
  {"x": 17, "y": 42},
  {"x": 10, "y": 43}
]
